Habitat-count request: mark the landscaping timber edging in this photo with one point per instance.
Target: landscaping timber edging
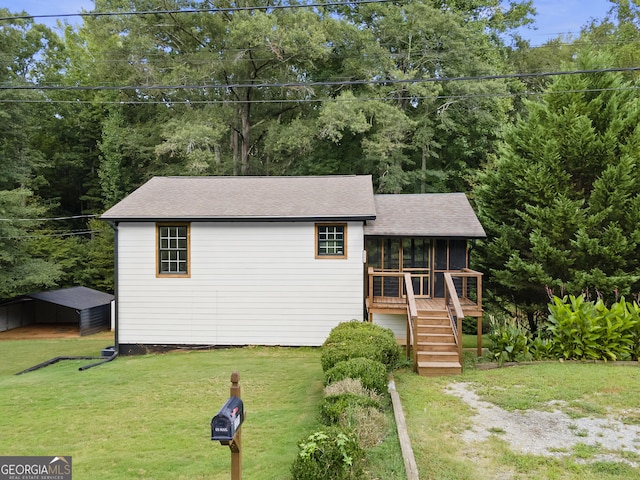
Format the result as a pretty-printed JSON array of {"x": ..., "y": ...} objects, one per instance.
[{"x": 410, "y": 465}]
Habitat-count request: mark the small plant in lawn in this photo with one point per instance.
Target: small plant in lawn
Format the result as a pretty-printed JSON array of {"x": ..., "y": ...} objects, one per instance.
[
  {"x": 509, "y": 341},
  {"x": 540, "y": 347},
  {"x": 329, "y": 454}
]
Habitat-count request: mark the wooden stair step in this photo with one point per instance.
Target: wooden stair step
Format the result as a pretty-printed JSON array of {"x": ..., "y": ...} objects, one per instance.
[
  {"x": 434, "y": 328},
  {"x": 437, "y": 347},
  {"x": 435, "y": 337},
  {"x": 438, "y": 356},
  {"x": 435, "y": 369}
]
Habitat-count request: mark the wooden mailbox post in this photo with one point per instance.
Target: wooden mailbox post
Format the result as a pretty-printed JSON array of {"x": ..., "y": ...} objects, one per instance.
[{"x": 225, "y": 426}]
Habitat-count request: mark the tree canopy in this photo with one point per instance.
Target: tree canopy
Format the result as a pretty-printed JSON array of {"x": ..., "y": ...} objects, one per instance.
[
  {"x": 561, "y": 198},
  {"x": 415, "y": 93}
]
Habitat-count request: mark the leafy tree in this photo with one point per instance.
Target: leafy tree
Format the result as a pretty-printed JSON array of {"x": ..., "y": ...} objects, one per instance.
[
  {"x": 21, "y": 43},
  {"x": 560, "y": 200}
]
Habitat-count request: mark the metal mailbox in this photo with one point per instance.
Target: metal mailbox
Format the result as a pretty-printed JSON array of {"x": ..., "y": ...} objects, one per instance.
[{"x": 228, "y": 420}]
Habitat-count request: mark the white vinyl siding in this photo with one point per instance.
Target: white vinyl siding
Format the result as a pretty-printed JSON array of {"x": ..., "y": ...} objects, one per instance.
[
  {"x": 396, "y": 323},
  {"x": 250, "y": 283}
]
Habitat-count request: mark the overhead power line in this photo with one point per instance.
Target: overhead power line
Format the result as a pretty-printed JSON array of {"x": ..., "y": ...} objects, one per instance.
[
  {"x": 312, "y": 84},
  {"x": 464, "y": 96},
  {"x": 197, "y": 10},
  {"x": 51, "y": 219},
  {"x": 50, "y": 235}
]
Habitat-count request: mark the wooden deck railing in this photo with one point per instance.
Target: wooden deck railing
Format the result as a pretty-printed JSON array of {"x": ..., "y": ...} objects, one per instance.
[
  {"x": 404, "y": 280},
  {"x": 470, "y": 287},
  {"x": 454, "y": 309},
  {"x": 412, "y": 315}
]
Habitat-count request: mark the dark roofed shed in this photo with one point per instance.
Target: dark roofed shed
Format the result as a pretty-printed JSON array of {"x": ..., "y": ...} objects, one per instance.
[{"x": 89, "y": 309}]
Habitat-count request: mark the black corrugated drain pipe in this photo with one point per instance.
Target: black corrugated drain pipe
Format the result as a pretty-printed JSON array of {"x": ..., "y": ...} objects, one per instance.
[{"x": 108, "y": 354}]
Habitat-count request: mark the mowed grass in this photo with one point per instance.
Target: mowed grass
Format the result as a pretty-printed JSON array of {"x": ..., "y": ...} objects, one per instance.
[
  {"x": 149, "y": 416},
  {"x": 436, "y": 420}
]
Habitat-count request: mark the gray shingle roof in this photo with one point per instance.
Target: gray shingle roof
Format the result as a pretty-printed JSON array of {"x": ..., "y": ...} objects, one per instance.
[
  {"x": 248, "y": 198},
  {"x": 79, "y": 298},
  {"x": 430, "y": 215}
]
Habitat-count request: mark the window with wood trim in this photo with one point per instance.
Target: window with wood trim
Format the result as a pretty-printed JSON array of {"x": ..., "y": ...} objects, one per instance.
[
  {"x": 331, "y": 240},
  {"x": 173, "y": 250}
]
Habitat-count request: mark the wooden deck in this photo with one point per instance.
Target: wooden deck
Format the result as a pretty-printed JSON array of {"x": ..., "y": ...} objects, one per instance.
[
  {"x": 434, "y": 325},
  {"x": 398, "y": 305}
]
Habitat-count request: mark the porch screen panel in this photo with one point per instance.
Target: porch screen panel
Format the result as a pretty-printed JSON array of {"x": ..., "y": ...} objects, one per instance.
[
  {"x": 374, "y": 260},
  {"x": 416, "y": 259},
  {"x": 449, "y": 255},
  {"x": 457, "y": 254},
  {"x": 383, "y": 255},
  {"x": 391, "y": 262}
]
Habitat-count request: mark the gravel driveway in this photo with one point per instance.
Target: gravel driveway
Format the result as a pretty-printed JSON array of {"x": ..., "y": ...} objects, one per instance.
[{"x": 547, "y": 433}]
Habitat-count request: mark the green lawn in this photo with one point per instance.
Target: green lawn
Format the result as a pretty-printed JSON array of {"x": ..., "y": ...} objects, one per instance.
[
  {"x": 149, "y": 416},
  {"x": 436, "y": 419}
]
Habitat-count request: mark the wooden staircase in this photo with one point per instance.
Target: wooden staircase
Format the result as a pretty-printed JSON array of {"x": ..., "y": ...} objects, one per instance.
[{"x": 436, "y": 349}]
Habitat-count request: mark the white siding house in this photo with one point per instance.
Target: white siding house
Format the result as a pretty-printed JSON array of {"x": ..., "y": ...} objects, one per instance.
[
  {"x": 268, "y": 261},
  {"x": 250, "y": 283},
  {"x": 229, "y": 261}
]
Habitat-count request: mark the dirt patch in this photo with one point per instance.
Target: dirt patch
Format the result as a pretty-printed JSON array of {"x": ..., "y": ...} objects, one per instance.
[
  {"x": 42, "y": 332},
  {"x": 547, "y": 433}
]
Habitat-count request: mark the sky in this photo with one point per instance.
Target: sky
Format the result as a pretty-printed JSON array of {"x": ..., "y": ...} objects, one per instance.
[{"x": 554, "y": 17}]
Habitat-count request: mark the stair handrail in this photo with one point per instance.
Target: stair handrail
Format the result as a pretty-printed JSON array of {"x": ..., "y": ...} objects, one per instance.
[
  {"x": 412, "y": 315},
  {"x": 455, "y": 318}
]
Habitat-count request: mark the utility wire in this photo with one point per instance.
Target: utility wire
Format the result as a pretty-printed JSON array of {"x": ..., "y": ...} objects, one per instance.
[
  {"x": 320, "y": 100},
  {"x": 314, "y": 84},
  {"x": 53, "y": 219},
  {"x": 198, "y": 10},
  {"x": 70, "y": 234}
]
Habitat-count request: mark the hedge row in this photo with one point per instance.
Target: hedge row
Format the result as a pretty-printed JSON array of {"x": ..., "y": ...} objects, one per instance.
[
  {"x": 360, "y": 339},
  {"x": 356, "y": 358}
]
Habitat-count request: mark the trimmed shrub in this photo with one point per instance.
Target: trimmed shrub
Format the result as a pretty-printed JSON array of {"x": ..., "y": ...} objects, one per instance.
[
  {"x": 360, "y": 339},
  {"x": 330, "y": 454},
  {"x": 371, "y": 373},
  {"x": 369, "y": 424},
  {"x": 333, "y": 406},
  {"x": 351, "y": 385}
]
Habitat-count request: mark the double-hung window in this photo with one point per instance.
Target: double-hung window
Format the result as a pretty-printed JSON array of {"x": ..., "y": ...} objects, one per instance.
[
  {"x": 331, "y": 240},
  {"x": 173, "y": 250}
]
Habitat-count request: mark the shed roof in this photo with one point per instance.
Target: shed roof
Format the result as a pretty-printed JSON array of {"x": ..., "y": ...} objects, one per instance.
[
  {"x": 428, "y": 215},
  {"x": 79, "y": 298},
  {"x": 248, "y": 198}
]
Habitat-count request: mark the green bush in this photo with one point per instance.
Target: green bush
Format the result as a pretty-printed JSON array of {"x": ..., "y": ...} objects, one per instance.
[
  {"x": 371, "y": 373},
  {"x": 334, "y": 406},
  {"x": 360, "y": 339},
  {"x": 330, "y": 454},
  {"x": 587, "y": 330},
  {"x": 540, "y": 348},
  {"x": 369, "y": 424},
  {"x": 509, "y": 341}
]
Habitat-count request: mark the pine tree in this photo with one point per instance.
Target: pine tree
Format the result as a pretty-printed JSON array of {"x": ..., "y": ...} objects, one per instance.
[{"x": 561, "y": 199}]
